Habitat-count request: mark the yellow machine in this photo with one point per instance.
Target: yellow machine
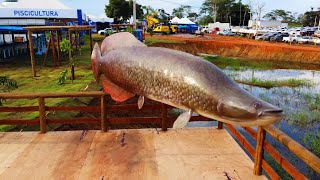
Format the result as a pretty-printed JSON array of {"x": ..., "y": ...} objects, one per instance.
[{"x": 153, "y": 24}]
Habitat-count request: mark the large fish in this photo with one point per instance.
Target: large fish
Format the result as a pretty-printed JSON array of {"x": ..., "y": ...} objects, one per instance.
[{"x": 128, "y": 67}]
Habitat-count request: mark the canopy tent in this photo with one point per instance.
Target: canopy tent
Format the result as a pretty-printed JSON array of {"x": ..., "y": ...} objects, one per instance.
[
  {"x": 185, "y": 21},
  {"x": 102, "y": 18},
  {"x": 175, "y": 20},
  {"x": 36, "y": 9},
  {"x": 12, "y": 29}
]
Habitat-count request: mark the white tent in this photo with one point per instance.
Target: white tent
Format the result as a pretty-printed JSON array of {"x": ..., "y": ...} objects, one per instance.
[
  {"x": 101, "y": 18},
  {"x": 185, "y": 21},
  {"x": 36, "y": 9},
  {"x": 175, "y": 20}
]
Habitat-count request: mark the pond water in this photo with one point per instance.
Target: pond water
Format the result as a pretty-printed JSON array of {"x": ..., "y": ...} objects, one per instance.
[{"x": 301, "y": 105}]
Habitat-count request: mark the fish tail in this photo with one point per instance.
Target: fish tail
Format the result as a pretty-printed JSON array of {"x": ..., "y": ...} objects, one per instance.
[{"x": 95, "y": 60}]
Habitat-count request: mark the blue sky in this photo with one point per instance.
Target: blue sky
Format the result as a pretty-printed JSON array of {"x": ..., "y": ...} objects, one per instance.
[{"x": 96, "y": 7}]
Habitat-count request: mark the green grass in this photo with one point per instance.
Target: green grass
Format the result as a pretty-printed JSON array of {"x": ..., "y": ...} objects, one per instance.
[
  {"x": 271, "y": 84},
  {"x": 151, "y": 41},
  {"x": 19, "y": 69},
  {"x": 98, "y": 37},
  {"x": 313, "y": 142},
  {"x": 241, "y": 63}
]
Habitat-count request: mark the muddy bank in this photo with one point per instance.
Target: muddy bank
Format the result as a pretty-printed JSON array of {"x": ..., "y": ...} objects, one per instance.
[{"x": 241, "y": 47}]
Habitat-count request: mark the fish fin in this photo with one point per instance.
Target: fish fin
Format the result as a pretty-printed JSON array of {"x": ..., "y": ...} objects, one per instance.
[
  {"x": 140, "y": 101},
  {"x": 95, "y": 60},
  {"x": 183, "y": 119},
  {"x": 119, "y": 40},
  {"x": 117, "y": 93}
]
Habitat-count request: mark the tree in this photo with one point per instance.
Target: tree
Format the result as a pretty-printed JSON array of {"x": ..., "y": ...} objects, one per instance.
[
  {"x": 225, "y": 9},
  {"x": 182, "y": 11},
  {"x": 279, "y": 14},
  {"x": 311, "y": 18},
  {"x": 122, "y": 9}
]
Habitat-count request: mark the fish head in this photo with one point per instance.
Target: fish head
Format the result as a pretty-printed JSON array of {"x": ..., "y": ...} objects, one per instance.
[{"x": 245, "y": 109}]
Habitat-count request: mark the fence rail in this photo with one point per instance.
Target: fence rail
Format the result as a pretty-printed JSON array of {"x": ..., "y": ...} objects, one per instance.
[{"x": 256, "y": 153}]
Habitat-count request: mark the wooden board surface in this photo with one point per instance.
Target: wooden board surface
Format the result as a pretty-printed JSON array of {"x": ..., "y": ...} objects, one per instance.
[{"x": 195, "y": 153}]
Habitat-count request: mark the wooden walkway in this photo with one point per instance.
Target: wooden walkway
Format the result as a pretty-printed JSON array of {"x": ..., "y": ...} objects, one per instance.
[{"x": 195, "y": 153}]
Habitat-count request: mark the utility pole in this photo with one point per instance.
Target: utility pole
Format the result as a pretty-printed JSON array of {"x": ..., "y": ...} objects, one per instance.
[
  {"x": 214, "y": 12},
  {"x": 134, "y": 14}
]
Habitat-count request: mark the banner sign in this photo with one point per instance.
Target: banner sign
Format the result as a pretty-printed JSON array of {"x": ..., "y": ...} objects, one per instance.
[{"x": 37, "y": 13}]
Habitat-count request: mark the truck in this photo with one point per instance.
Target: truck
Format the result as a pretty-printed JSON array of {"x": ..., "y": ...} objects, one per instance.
[
  {"x": 221, "y": 26},
  {"x": 292, "y": 38}
]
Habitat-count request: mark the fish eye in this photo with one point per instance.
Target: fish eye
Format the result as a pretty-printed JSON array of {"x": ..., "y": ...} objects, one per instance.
[{"x": 256, "y": 105}]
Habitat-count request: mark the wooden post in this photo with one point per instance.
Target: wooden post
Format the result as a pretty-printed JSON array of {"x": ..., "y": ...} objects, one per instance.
[
  {"x": 104, "y": 127},
  {"x": 90, "y": 38},
  {"x": 42, "y": 114},
  {"x": 53, "y": 48},
  {"x": 32, "y": 54},
  {"x": 58, "y": 49},
  {"x": 261, "y": 135},
  {"x": 220, "y": 125},
  {"x": 47, "y": 52},
  {"x": 164, "y": 117},
  {"x": 70, "y": 40}
]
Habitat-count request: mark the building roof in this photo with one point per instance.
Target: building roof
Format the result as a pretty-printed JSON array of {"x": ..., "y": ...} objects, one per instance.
[
  {"x": 35, "y": 4},
  {"x": 11, "y": 29}
]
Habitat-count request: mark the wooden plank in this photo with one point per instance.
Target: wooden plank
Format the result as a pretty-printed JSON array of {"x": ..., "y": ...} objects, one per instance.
[
  {"x": 164, "y": 114},
  {"x": 257, "y": 170},
  {"x": 220, "y": 125},
  {"x": 39, "y": 159},
  {"x": 213, "y": 151},
  {"x": 33, "y": 64},
  {"x": 133, "y": 120},
  {"x": 58, "y": 47},
  {"x": 104, "y": 124},
  {"x": 73, "y": 121},
  {"x": 19, "y": 109},
  {"x": 90, "y": 38},
  {"x": 126, "y": 107},
  {"x": 53, "y": 48},
  {"x": 121, "y": 154},
  {"x": 72, "y": 160},
  {"x": 50, "y": 95},
  {"x": 47, "y": 52},
  {"x": 304, "y": 154},
  {"x": 283, "y": 162},
  {"x": 42, "y": 115},
  {"x": 251, "y": 151},
  {"x": 19, "y": 122},
  {"x": 126, "y": 154},
  {"x": 11, "y": 147},
  {"x": 74, "y": 108}
]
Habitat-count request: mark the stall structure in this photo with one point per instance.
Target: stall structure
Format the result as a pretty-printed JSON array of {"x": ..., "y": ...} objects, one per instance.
[
  {"x": 54, "y": 41},
  {"x": 12, "y": 41}
]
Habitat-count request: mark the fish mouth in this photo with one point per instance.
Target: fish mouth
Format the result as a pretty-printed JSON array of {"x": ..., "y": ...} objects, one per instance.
[{"x": 271, "y": 113}]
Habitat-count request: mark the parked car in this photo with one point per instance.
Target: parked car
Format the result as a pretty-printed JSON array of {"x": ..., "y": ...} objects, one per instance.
[
  {"x": 205, "y": 29},
  {"x": 317, "y": 34},
  {"x": 278, "y": 37},
  {"x": 306, "y": 40},
  {"x": 259, "y": 36},
  {"x": 292, "y": 38},
  {"x": 307, "y": 33},
  {"x": 268, "y": 37},
  {"x": 106, "y": 31},
  {"x": 230, "y": 33},
  {"x": 316, "y": 41}
]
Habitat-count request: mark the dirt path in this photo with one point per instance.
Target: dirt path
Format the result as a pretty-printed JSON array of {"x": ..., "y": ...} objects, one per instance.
[{"x": 242, "y": 47}]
